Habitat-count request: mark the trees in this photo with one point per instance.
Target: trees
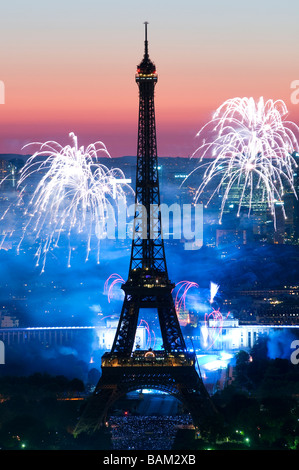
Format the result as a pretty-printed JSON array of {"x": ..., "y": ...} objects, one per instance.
[
  {"x": 261, "y": 401},
  {"x": 32, "y": 414}
]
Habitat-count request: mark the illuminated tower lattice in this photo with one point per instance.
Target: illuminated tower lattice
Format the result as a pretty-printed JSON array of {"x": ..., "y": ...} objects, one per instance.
[{"x": 171, "y": 369}]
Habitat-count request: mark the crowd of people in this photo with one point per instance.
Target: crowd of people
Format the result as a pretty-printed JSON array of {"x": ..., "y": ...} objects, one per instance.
[{"x": 131, "y": 432}]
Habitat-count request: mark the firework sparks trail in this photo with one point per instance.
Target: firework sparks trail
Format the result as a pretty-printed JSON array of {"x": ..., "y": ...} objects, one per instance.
[
  {"x": 75, "y": 193},
  {"x": 149, "y": 338},
  {"x": 251, "y": 146},
  {"x": 108, "y": 289},
  {"x": 180, "y": 298},
  {"x": 109, "y": 316},
  {"x": 209, "y": 335},
  {"x": 182, "y": 292},
  {"x": 216, "y": 326},
  {"x": 213, "y": 291}
]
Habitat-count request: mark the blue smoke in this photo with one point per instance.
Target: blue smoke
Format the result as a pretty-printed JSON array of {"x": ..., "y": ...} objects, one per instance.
[{"x": 279, "y": 343}]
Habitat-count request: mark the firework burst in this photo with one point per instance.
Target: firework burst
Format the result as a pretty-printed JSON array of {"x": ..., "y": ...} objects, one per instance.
[
  {"x": 74, "y": 194},
  {"x": 112, "y": 280},
  {"x": 181, "y": 294},
  {"x": 211, "y": 335},
  {"x": 213, "y": 291},
  {"x": 251, "y": 145}
]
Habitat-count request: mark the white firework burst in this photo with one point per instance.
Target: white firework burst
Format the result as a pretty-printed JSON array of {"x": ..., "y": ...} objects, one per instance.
[
  {"x": 249, "y": 144},
  {"x": 74, "y": 194}
]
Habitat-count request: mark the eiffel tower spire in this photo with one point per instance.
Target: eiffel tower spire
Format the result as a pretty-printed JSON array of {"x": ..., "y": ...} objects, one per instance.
[
  {"x": 148, "y": 284},
  {"x": 145, "y": 40},
  {"x": 171, "y": 369}
]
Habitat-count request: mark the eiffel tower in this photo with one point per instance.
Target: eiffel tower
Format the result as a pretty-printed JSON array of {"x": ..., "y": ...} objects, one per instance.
[{"x": 171, "y": 369}]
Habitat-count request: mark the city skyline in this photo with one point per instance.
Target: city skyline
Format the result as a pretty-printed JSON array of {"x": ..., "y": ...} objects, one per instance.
[
  {"x": 104, "y": 345},
  {"x": 70, "y": 67}
]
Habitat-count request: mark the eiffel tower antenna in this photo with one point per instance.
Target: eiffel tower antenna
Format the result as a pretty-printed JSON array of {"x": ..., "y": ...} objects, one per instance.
[{"x": 145, "y": 38}]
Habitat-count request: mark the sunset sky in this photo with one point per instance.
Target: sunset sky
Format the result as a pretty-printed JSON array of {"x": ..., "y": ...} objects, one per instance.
[{"x": 69, "y": 65}]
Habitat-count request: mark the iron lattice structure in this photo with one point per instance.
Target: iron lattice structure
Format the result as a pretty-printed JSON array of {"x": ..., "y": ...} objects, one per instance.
[{"x": 148, "y": 286}]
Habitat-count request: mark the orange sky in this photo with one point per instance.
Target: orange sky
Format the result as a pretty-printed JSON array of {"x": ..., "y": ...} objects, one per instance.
[{"x": 69, "y": 66}]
